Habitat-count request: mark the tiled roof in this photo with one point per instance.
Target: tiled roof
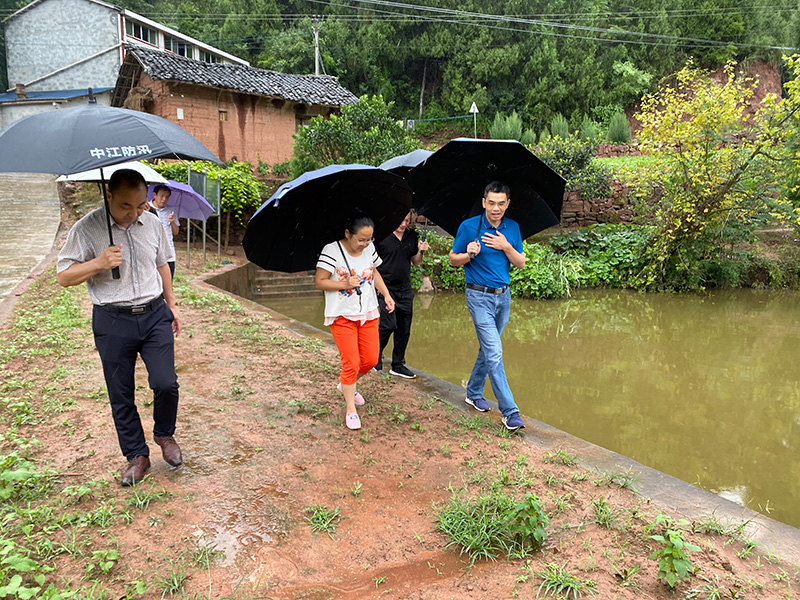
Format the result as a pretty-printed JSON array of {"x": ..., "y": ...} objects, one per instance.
[{"x": 308, "y": 89}]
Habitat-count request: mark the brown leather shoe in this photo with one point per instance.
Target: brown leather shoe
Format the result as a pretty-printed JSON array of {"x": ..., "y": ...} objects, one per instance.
[
  {"x": 169, "y": 449},
  {"x": 137, "y": 467}
]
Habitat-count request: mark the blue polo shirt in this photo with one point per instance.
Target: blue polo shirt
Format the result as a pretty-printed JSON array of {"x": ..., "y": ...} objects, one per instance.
[{"x": 491, "y": 266}]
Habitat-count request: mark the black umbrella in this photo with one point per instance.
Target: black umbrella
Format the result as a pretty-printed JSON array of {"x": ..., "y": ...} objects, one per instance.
[
  {"x": 449, "y": 185},
  {"x": 72, "y": 140},
  {"x": 289, "y": 230},
  {"x": 401, "y": 165}
]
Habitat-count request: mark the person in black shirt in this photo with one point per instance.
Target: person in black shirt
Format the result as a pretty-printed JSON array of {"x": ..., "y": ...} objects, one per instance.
[{"x": 397, "y": 252}]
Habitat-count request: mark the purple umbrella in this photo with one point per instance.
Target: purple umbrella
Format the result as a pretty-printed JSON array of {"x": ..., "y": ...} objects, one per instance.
[{"x": 184, "y": 201}]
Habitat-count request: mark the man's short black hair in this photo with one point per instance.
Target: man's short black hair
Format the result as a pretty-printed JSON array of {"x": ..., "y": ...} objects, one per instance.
[
  {"x": 497, "y": 187},
  {"x": 160, "y": 187},
  {"x": 126, "y": 178}
]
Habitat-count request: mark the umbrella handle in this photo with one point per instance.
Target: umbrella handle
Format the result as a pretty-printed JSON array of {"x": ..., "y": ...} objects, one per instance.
[{"x": 115, "y": 270}]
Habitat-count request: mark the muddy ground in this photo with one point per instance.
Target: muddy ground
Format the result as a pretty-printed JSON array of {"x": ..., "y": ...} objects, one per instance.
[{"x": 261, "y": 427}]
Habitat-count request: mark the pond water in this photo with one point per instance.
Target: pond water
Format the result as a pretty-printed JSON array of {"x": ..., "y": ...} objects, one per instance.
[{"x": 703, "y": 387}]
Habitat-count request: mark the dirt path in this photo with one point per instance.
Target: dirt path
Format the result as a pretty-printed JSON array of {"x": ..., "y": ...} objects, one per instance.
[{"x": 265, "y": 450}]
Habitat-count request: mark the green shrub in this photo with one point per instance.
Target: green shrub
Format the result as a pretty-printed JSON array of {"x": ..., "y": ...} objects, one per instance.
[
  {"x": 607, "y": 255},
  {"x": 529, "y": 137},
  {"x": 544, "y": 136},
  {"x": 506, "y": 128},
  {"x": 238, "y": 185},
  {"x": 619, "y": 130},
  {"x": 282, "y": 169},
  {"x": 546, "y": 274},
  {"x": 559, "y": 127},
  {"x": 574, "y": 160},
  {"x": 365, "y": 133},
  {"x": 436, "y": 263},
  {"x": 603, "y": 114},
  {"x": 590, "y": 131},
  {"x": 262, "y": 168}
]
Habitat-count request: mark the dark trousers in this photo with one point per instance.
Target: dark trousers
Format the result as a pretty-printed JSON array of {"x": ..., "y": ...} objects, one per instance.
[
  {"x": 397, "y": 323},
  {"x": 119, "y": 339}
]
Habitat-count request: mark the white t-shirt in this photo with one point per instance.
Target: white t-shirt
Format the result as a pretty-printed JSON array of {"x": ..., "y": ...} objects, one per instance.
[
  {"x": 346, "y": 303},
  {"x": 163, "y": 216}
]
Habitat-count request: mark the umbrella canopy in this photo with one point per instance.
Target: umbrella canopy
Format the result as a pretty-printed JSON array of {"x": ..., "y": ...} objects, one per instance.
[
  {"x": 185, "y": 202},
  {"x": 448, "y": 186},
  {"x": 72, "y": 140},
  {"x": 149, "y": 173},
  {"x": 289, "y": 230},
  {"x": 92, "y": 136},
  {"x": 402, "y": 164}
]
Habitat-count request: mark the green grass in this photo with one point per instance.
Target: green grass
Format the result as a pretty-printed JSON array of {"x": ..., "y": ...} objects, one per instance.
[
  {"x": 494, "y": 525},
  {"x": 323, "y": 519},
  {"x": 622, "y": 165},
  {"x": 558, "y": 582}
]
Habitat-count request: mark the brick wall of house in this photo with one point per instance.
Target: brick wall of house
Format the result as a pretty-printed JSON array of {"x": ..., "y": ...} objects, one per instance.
[{"x": 252, "y": 128}]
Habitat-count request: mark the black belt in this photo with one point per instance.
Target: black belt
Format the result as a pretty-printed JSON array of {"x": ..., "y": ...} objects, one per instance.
[
  {"x": 132, "y": 310},
  {"x": 488, "y": 290}
]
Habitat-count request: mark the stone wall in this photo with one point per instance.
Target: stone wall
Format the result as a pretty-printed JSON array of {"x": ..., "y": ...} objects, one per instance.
[
  {"x": 582, "y": 213},
  {"x": 58, "y": 33},
  {"x": 251, "y": 128}
]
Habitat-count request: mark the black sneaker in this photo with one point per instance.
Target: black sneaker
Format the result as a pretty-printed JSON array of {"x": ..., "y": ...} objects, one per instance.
[
  {"x": 379, "y": 367},
  {"x": 403, "y": 371}
]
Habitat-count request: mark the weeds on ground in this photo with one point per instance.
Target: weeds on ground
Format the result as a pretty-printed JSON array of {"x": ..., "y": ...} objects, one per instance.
[
  {"x": 673, "y": 562},
  {"x": 493, "y": 525},
  {"x": 322, "y": 518},
  {"x": 557, "y": 581}
]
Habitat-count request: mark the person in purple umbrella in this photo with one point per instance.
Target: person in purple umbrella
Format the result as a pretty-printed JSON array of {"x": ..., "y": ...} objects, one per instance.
[
  {"x": 169, "y": 221},
  {"x": 486, "y": 246}
]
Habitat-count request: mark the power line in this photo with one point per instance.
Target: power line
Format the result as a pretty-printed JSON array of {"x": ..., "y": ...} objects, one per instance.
[{"x": 554, "y": 24}]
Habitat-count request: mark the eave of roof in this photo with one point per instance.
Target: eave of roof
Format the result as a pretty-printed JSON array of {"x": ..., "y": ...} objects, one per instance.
[
  {"x": 322, "y": 90},
  {"x": 50, "y": 95}
]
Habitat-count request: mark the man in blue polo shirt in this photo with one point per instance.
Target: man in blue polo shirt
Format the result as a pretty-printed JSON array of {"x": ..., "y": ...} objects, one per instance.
[{"x": 486, "y": 246}]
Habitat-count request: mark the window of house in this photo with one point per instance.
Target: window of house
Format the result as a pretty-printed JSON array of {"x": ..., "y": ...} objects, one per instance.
[
  {"x": 140, "y": 32},
  {"x": 300, "y": 122},
  {"x": 208, "y": 57},
  {"x": 178, "y": 47},
  {"x": 223, "y": 115}
]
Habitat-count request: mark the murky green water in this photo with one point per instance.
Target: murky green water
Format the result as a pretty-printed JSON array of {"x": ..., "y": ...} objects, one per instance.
[{"x": 703, "y": 387}]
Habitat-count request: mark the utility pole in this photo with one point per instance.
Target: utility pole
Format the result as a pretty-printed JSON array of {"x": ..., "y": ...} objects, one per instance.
[{"x": 315, "y": 23}]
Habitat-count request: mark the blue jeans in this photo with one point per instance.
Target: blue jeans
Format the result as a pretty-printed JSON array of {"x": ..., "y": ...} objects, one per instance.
[{"x": 490, "y": 314}]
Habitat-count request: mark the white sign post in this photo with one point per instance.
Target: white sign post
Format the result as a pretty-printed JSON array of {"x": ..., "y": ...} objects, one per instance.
[{"x": 473, "y": 110}]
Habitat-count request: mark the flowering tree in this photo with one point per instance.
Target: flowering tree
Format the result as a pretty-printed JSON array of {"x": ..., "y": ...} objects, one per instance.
[{"x": 723, "y": 161}]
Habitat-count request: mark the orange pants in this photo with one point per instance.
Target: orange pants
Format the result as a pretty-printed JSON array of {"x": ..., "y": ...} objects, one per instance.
[{"x": 359, "y": 346}]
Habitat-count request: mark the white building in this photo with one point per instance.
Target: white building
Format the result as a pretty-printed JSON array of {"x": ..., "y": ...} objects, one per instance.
[{"x": 74, "y": 44}]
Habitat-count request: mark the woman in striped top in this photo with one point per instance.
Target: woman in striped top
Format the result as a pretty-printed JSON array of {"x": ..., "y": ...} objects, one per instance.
[{"x": 347, "y": 273}]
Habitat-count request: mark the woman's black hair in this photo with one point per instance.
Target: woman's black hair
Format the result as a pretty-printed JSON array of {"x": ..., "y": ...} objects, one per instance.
[{"x": 358, "y": 220}]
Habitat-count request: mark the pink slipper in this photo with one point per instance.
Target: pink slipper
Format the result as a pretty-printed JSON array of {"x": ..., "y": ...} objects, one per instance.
[
  {"x": 358, "y": 398},
  {"x": 353, "y": 421}
]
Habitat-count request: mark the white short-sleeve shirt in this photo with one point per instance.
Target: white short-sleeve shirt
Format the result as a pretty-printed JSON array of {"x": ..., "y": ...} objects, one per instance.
[{"x": 347, "y": 303}]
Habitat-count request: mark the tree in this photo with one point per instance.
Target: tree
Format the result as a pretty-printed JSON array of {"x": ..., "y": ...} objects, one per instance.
[
  {"x": 365, "y": 133},
  {"x": 721, "y": 159}
]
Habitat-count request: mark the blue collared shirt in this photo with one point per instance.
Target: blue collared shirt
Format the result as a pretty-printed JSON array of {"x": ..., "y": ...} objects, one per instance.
[{"x": 491, "y": 266}]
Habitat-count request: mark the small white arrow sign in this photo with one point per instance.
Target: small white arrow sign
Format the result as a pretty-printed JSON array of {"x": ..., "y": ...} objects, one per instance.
[{"x": 473, "y": 109}]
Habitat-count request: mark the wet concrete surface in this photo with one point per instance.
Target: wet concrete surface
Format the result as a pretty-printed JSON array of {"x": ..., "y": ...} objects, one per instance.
[
  {"x": 29, "y": 220},
  {"x": 676, "y": 496}
]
